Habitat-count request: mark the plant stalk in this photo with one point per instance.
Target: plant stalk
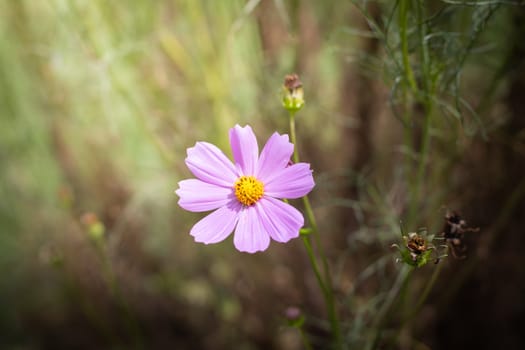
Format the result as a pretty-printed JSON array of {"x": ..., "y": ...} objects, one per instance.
[{"x": 326, "y": 283}]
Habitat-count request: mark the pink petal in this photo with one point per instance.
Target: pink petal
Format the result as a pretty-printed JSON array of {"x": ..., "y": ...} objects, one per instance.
[
  {"x": 294, "y": 181},
  {"x": 250, "y": 235},
  {"x": 210, "y": 165},
  {"x": 280, "y": 220},
  {"x": 218, "y": 225},
  {"x": 196, "y": 195},
  {"x": 275, "y": 156},
  {"x": 245, "y": 149}
]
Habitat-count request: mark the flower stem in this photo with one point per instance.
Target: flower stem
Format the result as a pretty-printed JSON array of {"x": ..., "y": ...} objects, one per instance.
[
  {"x": 415, "y": 310},
  {"x": 116, "y": 292},
  {"x": 293, "y": 138},
  {"x": 427, "y": 89},
  {"x": 403, "y": 25},
  {"x": 425, "y": 293},
  {"x": 422, "y": 94},
  {"x": 305, "y": 340},
  {"x": 326, "y": 283},
  {"x": 377, "y": 325}
]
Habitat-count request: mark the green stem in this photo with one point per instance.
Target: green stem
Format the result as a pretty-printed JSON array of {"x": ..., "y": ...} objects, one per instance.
[
  {"x": 111, "y": 279},
  {"x": 427, "y": 102},
  {"x": 402, "y": 277},
  {"x": 425, "y": 293},
  {"x": 427, "y": 88},
  {"x": 326, "y": 283},
  {"x": 293, "y": 138},
  {"x": 305, "y": 340},
  {"x": 407, "y": 82},
  {"x": 428, "y": 288},
  {"x": 87, "y": 306},
  {"x": 313, "y": 262},
  {"x": 420, "y": 174},
  {"x": 403, "y": 24}
]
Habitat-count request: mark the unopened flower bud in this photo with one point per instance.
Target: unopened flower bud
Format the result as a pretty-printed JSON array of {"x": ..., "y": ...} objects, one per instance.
[
  {"x": 294, "y": 316},
  {"x": 293, "y": 94},
  {"x": 95, "y": 228}
]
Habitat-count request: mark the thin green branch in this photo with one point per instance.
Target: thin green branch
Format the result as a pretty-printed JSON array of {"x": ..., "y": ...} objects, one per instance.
[
  {"x": 326, "y": 283},
  {"x": 403, "y": 28},
  {"x": 379, "y": 320}
]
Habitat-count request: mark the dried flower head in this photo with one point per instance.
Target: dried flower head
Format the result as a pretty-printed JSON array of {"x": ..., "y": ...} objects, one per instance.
[
  {"x": 416, "y": 250},
  {"x": 293, "y": 94},
  {"x": 416, "y": 244},
  {"x": 292, "y": 82},
  {"x": 454, "y": 231}
]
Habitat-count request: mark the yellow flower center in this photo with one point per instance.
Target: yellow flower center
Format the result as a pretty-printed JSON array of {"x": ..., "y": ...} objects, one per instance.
[{"x": 248, "y": 190}]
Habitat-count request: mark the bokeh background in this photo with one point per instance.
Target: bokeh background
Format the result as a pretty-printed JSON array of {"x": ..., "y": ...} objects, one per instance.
[{"x": 99, "y": 101}]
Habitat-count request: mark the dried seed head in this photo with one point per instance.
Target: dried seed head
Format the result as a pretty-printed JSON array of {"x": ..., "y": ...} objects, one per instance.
[
  {"x": 454, "y": 231},
  {"x": 292, "y": 82},
  {"x": 416, "y": 251},
  {"x": 293, "y": 94}
]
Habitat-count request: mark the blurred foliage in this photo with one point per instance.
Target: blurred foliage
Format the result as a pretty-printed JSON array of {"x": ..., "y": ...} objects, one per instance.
[{"x": 100, "y": 99}]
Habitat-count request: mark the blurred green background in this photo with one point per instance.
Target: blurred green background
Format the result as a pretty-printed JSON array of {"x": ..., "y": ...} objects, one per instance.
[{"x": 99, "y": 101}]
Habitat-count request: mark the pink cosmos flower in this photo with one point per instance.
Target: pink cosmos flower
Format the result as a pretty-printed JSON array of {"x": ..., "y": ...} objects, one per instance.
[{"x": 246, "y": 195}]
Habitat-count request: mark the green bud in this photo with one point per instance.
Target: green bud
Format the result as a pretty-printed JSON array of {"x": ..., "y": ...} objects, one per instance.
[
  {"x": 94, "y": 227},
  {"x": 96, "y": 231},
  {"x": 294, "y": 316},
  {"x": 293, "y": 94}
]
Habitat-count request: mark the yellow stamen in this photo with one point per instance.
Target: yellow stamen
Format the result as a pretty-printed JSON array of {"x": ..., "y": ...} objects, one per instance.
[{"x": 248, "y": 190}]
